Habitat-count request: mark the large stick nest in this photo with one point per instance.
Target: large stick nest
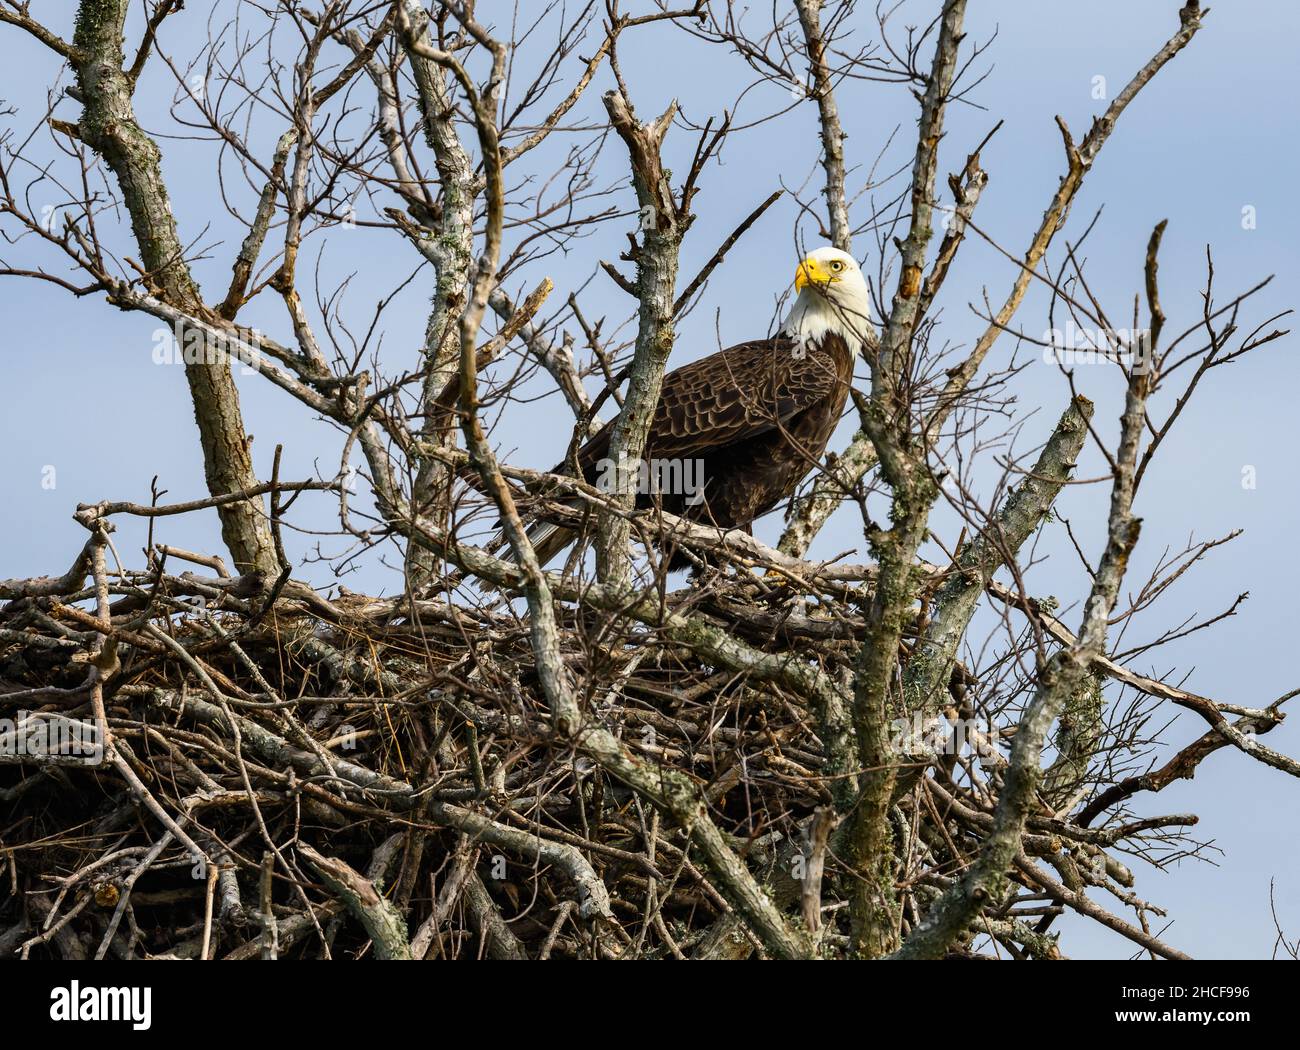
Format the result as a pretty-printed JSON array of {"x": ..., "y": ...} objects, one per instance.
[
  {"x": 410, "y": 744},
  {"x": 301, "y": 777}
]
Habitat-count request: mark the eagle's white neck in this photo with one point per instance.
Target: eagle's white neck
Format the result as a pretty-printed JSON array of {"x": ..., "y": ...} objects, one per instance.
[{"x": 814, "y": 314}]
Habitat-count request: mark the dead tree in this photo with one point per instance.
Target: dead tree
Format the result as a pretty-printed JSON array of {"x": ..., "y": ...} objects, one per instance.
[{"x": 891, "y": 753}]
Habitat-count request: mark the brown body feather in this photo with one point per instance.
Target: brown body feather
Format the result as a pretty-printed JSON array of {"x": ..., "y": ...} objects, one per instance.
[{"x": 748, "y": 423}]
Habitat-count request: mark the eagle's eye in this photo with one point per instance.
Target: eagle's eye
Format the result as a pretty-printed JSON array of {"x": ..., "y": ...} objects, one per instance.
[{"x": 836, "y": 266}]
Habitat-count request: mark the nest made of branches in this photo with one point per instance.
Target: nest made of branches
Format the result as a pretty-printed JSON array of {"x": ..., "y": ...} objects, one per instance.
[
  {"x": 271, "y": 773},
  {"x": 407, "y": 743}
]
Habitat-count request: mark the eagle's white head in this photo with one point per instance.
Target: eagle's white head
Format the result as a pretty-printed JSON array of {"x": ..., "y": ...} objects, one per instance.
[{"x": 832, "y": 297}]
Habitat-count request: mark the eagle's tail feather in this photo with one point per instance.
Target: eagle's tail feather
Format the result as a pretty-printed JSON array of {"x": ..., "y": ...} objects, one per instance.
[{"x": 547, "y": 538}]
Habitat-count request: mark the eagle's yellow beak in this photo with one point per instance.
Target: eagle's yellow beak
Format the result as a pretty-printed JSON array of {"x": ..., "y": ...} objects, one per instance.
[{"x": 810, "y": 272}]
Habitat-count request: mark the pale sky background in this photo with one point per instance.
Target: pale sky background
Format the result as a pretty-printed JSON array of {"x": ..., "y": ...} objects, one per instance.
[{"x": 1214, "y": 133}]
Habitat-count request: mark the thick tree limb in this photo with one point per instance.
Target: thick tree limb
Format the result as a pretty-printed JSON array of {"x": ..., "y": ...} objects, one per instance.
[{"x": 109, "y": 126}]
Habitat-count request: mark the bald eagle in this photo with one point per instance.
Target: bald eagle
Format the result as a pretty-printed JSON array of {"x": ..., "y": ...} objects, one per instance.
[{"x": 735, "y": 432}]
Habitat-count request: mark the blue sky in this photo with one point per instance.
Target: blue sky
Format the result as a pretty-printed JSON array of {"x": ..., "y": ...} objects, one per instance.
[{"x": 1216, "y": 132}]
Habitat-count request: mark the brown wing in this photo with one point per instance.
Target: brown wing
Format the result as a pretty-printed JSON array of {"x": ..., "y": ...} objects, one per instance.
[{"x": 738, "y": 393}]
